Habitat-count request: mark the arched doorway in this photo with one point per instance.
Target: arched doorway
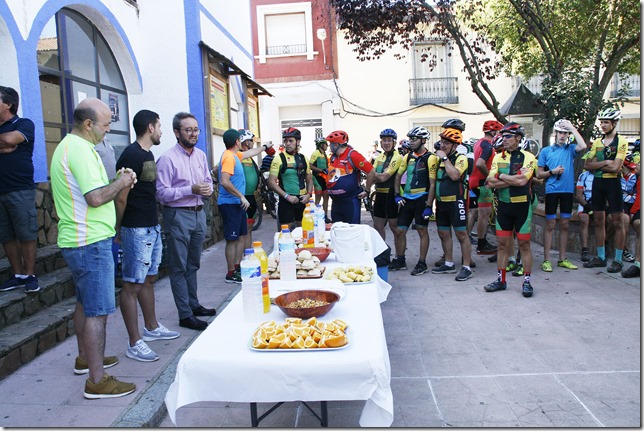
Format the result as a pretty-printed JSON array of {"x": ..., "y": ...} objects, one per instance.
[{"x": 75, "y": 62}]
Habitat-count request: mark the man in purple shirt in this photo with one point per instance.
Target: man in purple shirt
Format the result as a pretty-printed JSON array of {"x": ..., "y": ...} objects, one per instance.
[{"x": 182, "y": 183}]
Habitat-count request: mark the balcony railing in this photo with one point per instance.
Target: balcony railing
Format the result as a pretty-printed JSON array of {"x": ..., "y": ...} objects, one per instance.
[
  {"x": 286, "y": 49},
  {"x": 433, "y": 90},
  {"x": 629, "y": 85}
]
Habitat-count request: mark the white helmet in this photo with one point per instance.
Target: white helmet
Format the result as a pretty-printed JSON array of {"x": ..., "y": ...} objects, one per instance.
[
  {"x": 560, "y": 126},
  {"x": 245, "y": 135},
  {"x": 419, "y": 132},
  {"x": 609, "y": 114}
]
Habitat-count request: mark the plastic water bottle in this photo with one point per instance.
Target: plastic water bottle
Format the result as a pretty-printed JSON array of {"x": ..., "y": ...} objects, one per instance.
[
  {"x": 308, "y": 229},
  {"x": 287, "y": 256},
  {"x": 320, "y": 225},
  {"x": 251, "y": 274},
  {"x": 263, "y": 261}
]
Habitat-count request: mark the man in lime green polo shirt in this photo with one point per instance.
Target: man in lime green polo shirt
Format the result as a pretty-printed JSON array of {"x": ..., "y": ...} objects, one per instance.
[{"x": 84, "y": 202}]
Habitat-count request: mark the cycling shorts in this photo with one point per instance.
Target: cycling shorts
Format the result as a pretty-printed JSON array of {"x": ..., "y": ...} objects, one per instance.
[
  {"x": 451, "y": 214},
  {"x": 607, "y": 189},
  {"x": 412, "y": 211},
  {"x": 515, "y": 217},
  {"x": 385, "y": 206},
  {"x": 563, "y": 201}
]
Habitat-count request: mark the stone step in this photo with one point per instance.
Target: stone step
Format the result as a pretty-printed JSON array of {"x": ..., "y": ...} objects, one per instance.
[
  {"x": 16, "y": 305},
  {"x": 48, "y": 259}
]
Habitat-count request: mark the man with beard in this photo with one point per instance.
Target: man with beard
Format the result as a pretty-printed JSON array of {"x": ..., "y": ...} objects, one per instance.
[
  {"x": 510, "y": 175},
  {"x": 385, "y": 210},
  {"x": 344, "y": 178},
  {"x": 411, "y": 205},
  {"x": 447, "y": 171},
  {"x": 183, "y": 181},
  {"x": 290, "y": 177},
  {"x": 137, "y": 227}
]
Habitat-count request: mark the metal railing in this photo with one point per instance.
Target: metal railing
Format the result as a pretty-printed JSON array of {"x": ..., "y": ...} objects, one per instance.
[
  {"x": 629, "y": 85},
  {"x": 433, "y": 90},
  {"x": 286, "y": 49}
]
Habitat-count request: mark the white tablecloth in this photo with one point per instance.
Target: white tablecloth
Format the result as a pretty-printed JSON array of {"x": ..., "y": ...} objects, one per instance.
[{"x": 220, "y": 366}]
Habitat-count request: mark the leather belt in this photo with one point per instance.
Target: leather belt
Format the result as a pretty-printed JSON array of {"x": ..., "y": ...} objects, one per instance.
[{"x": 195, "y": 208}]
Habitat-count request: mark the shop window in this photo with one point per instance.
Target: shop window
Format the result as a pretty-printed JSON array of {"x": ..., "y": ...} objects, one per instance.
[{"x": 75, "y": 62}]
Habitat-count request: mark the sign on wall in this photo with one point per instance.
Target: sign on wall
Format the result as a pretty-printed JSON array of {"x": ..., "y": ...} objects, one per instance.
[
  {"x": 218, "y": 102},
  {"x": 253, "y": 114}
]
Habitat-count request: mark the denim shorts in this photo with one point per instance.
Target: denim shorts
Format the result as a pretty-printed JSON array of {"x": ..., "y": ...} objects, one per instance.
[
  {"x": 141, "y": 252},
  {"x": 92, "y": 268},
  {"x": 18, "y": 216}
]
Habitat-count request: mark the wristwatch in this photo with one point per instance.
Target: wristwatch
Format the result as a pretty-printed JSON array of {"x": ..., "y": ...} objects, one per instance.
[{"x": 444, "y": 158}]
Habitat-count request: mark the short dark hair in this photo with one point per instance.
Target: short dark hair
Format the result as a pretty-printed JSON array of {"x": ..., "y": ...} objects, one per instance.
[
  {"x": 84, "y": 113},
  {"x": 11, "y": 97},
  {"x": 142, "y": 120},
  {"x": 176, "y": 121}
]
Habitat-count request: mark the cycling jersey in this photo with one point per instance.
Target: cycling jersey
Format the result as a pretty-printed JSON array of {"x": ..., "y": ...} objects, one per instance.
[
  {"x": 617, "y": 149},
  {"x": 250, "y": 173},
  {"x": 510, "y": 163},
  {"x": 585, "y": 182},
  {"x": 448, "y": 190},
  {"x": 559, "y": 155},
  {"x": 344, "y": 174},
  {"x": 387, "y": 163},
  {"x": 292, "y": 177},
  {"x": 482, "y": 149},
  {"x": 415, "y": 166}
]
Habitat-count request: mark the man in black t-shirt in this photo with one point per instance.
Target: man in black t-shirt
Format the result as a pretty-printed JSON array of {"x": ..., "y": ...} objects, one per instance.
[{"x": 138, "y": 229}]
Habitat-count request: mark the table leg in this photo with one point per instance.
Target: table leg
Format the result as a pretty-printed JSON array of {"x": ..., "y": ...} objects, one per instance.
[{"x": 253, "y": 415}]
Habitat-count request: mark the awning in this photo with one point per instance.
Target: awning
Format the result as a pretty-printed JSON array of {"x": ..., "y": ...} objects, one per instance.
[
  {"x": 230, "y": 68},
  {"x": 522, "y": 102}
]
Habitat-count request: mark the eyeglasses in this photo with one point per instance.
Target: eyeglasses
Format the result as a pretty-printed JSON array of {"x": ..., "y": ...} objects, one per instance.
[
  {"x": 507, "y": 136},
  {"x": 191, "y": 131}
]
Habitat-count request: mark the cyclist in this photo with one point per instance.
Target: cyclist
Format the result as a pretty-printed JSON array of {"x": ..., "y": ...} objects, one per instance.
[
  {"x": 555, "y": 166},
  {"x": 295, "y": 185},
  {"x": 606, "y": 157},
  {"x": 251, "y": 173},
  {"x": 343, "y": 184},
  {"x": 319, "y": 162},
  {"x": 634, "y": 270},
  {"x": 483, "y": 155},
  {"x": 411, "y": 205},
  {"x": 385, "y": 210},
  {"x": 447, "y": 184},
  {"x": 510, "y": 175}
]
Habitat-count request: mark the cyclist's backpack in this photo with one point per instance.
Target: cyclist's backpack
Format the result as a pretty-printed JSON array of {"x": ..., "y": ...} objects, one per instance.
[{"x": 300, "y": 168}]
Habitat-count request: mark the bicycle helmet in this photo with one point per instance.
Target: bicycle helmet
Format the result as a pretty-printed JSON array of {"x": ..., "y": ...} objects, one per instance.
[
  {"x": 492, "y": 126},
  {"x": 609, "y": 114},
  {"x": 453, "y": 135},
  {"x": 497, "y": 142},
  {"x": 560, "y": 127},
  {"x": 404, "y": 143},
  {"x": 530, "y": 145},
  {"x": 338, "y": 137},
  {"x": 292, "y": 132},
  {"x": 454, "y": 123},
  {"x": 245, "y": 135},
  {"x": 514, "y": 129},
  {"x": 319, "y": 142},
  {"x": 636, "y": 146},
  {"x": 419, "y": 132},
  {"x": 389, "y": 133}
]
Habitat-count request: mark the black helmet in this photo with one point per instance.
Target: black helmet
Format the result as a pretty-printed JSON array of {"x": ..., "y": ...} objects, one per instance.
[
  {"x": 514, "y": 129},
  {"x": 292, "y": 132},
  {"x": 454, "y": 123}
]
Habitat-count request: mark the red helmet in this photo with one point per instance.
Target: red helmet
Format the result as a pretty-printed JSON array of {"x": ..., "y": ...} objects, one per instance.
[
  {"x": 514, "y": 129},
  {"x": 492, "y": 126},
  {"x": 338, "y": 137},
  {"x": 292, "y": 132}
]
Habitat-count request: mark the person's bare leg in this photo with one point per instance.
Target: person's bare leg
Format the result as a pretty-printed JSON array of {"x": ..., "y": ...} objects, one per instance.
[
  {"x": 584, "y": 221},
  {"x": 94, "y": 340},
  {"x": 231, "y": 252},
  {"x": 547, "y": 238},
  {"x": 564, "y": 230},
  {"x": 129, "y": 310},
  {"x": 379, "y": 225},
  {"x": 446, "y": 244},
  {"x": 526, "y": 255},
  {"x": 466, "y": 246},
  {"x": 148, "y": 307},
  {"x": 424, "y": 242},
  {"x": 14, "y": 255}
]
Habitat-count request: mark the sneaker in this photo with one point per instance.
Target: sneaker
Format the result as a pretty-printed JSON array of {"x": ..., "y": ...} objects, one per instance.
[
  {"x": 485, "y": 247},
  {"x": 472, "y": 263},
  {"x": 585, "y": 257},
  {"x": 495, "y": 285},
  {"x": 519, "y": 271},
  {"x": 546, "y": 266},
  {"x": 615, "y": 267},
  {"x": 566, "y": 264},
  {"x": 161, "y": 333},
  {"x": 444, "y": 269},
  {"x": 82, "y": 367},
  {"x": 512, "y": 265},
  {"x": 398, "y": 264},
  {"x": 440, "y": 262},
  {"x": 465, "y": 274},
  {"x": 141, "y": 352},
  {"x": 31, "y": 284},
  {"x": 13, "y": 283},
  {"x": 420, "y": 269},
  {"x": 473, "y": 240},
  {"x": 632, "y": 272},
  {"x": 492, "y": 258},
  {"x": 527, "y": 289},
  {"x": 595, "y": 263},
  {"x": 628, "y": 256},
  {"x": 233, "y": 278},
  {"x": 108, "y": 387}
]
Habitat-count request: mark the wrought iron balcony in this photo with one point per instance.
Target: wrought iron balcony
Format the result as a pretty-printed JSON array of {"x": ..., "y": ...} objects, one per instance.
[
  {"x": 629, "y": 86},
  {"x": 433, "y": 90},
  {"x": 286, "y": 49}
]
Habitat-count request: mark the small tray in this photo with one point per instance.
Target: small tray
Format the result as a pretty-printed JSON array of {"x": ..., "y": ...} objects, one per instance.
[
  {"x": 301, "y": 277},
  {"x": 319, "y": 349}
]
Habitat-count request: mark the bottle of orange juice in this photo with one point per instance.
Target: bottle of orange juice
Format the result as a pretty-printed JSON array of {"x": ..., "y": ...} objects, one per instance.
[
  {"x": 263, "y": 260},
  {"x": 308, "y": 229}
]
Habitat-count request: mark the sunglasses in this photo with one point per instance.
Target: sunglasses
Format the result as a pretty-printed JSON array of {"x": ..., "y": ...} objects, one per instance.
[{"x": 508, "y": 136}]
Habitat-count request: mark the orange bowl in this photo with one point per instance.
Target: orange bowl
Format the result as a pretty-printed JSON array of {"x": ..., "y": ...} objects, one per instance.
[
  {"x": 320, "y": 252},
  {"x": 306, "y": 313}
]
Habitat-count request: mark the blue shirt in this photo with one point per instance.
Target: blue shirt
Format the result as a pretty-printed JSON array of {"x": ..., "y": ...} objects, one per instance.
[
  {"x": 17, "y": 167},
  {"x": 556, "y": 155}
]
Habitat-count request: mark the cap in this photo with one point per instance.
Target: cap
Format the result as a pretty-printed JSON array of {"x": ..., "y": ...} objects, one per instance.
[{"x": 230, "y": 136}]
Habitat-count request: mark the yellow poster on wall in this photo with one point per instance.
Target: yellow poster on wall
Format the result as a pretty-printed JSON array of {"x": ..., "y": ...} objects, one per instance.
[
  {"x": 253, "y": 114},
  {"x": 218, "y": 101}
]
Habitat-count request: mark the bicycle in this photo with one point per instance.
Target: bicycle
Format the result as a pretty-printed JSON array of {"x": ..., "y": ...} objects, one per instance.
[{"x": 368, "y": 200}]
